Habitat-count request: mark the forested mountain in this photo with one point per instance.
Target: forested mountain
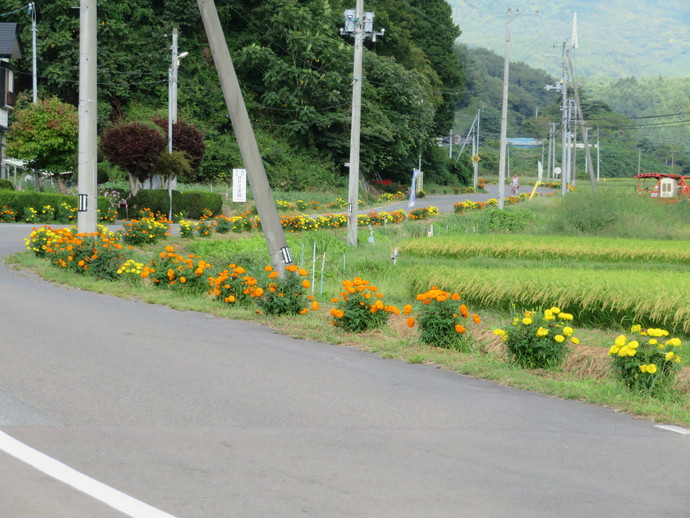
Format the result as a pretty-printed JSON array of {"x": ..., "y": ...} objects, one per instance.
[
  {"x": 295, "y": 70},
  {"x": 629, "y": 115},
  {"x": 617, "y": 38}
]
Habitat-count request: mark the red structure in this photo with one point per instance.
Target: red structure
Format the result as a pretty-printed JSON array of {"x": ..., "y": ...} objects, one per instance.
[{"x": 663, "y": 185}]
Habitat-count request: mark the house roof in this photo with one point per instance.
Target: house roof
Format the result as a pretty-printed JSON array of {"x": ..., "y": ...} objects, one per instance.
[{"x": 10, "y": 47}]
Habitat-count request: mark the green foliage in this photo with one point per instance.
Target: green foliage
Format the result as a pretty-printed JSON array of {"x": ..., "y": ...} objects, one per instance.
[
  {"x": 173, "y": 165},
  {"x": 157, "y": 200},
  {"x": 197, "y": 203},
  {"x": 6, "y": 185},
  {"x": 537, "y": 340},
  {"x": 360, "y": 307},
  {"x": 285, "y": 295},
  {"x": 442, "y": 320},
  {"x": 647, "y": 361},
  {"x": 144, "y": 231},
  {"x": 45, "y": 134}
]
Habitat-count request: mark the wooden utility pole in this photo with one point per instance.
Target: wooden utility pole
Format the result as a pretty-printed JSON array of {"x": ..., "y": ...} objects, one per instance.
[{"x": 265, "y": 204}]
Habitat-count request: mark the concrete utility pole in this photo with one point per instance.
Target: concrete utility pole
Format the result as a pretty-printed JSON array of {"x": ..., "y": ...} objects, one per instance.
[
  {"x": 504, "y": 117},
  {"x": 564, "y": 131},
  {"x": 172, "y": 104},
  {"x": 87, "y": 215},
  {"x": 265, "y": 204},
  {"x": 353, "y": 181},
  {"x": 32, "y": 10},
  {"x": 581, "y": 121},
  {"x": 360, "y": 25}
]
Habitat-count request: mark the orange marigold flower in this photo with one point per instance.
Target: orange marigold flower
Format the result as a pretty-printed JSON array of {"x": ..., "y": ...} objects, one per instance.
[
  {"x": 334, "y": 300},
  {"x": 455, "y": 296},
  {"x": 268, "y": 268},
  {"x": 407, "y": 309},
  {"x": 302, "y": 272},
  {"x": 476, "y": 318},
  {"x": 410, "y": 322},
  {"x": 314, "y": 305},
  {"x": 464, "y": 311},
  {"x": 291, "y": 268},
  {"x": 460, "y": 328},
  {"x": 305, "y": 283}
]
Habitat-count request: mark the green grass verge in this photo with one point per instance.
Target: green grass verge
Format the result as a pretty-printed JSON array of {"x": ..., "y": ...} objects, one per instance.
[{"x": 389, "y": 342}]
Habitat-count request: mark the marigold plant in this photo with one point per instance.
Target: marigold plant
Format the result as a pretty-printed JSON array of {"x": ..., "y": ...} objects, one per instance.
[
  {"x": 174, "y": 270},
  {"x": 287, "y": 295},
  {"x": 443, "y": 320},
  {"x": 145, "y": 230},
  {"x": 538, "y": 340},
  {"x": 234, "y": 285},
  {"x": 646, "y": 362},
  {"x": 360, "y": 307}
]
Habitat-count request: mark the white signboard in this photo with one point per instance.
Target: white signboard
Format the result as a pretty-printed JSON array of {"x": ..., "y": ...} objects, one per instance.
[{"x": 239, "y": 185}]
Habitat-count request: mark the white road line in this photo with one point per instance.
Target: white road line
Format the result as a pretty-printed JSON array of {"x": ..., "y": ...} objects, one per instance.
[
  {"x": 56, "y": 469},
  {"x": 672, "y": 428}
]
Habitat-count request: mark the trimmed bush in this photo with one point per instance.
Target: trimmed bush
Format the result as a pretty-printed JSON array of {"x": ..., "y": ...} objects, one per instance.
[
  {"x": 192, "y": 204},
  {"x": 6, "y": 185}
]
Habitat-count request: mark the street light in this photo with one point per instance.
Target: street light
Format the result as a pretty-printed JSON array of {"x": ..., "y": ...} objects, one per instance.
[{"x": 172, "y": 104}]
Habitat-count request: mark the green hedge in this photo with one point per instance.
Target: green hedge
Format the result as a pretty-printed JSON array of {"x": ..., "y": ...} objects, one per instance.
[
  {"x": 20, "y": 201},
  {"x": 191, "y": 203},
  {"x": 6, "y": 185}
]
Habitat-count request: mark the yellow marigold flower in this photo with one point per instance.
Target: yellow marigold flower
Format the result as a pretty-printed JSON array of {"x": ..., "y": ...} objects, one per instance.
[
  {"x": 651, "y": 368},
  {"x": 643, "y": 368},
  {"x": 567, "y": 331},
  {"x": 621, "y": 340},
  {"x": 565, "y": 316},
  {"x": 614, "y": 349},
  {"x": 634, "y": 344},
  {"x": 410, "y": 322},
  {"x": 542, "y": 332},
  {"x": 675, "y": 342},
  {"x": 669, "y": 355},
  {"x": 575, "y": 340},
  {"x": 559, "y": 338},
  {"x": 636, "y": 328},
  {"x": 555, "y": 310},
  {"x": 653, "y": 341},
  {"x": 527, "y": 321},
  {"x": 499, "y": 332}
]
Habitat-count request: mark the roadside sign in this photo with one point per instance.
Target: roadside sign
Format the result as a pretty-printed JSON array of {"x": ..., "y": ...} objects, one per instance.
[{"x": 239, "y": 185}]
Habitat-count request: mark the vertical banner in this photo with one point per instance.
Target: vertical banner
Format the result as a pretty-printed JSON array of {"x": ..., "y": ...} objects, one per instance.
[
  {"x": 413, "y": 188},
  {"x": 239, "y": 185}
]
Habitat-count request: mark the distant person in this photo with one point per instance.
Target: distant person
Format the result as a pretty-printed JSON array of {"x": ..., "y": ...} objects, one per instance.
[{"x": 515, "y": 186}]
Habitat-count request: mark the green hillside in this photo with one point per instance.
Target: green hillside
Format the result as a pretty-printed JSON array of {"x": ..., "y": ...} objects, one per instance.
[{"x": 617, "y": 38}]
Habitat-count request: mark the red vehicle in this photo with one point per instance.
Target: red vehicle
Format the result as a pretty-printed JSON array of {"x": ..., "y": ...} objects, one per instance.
[{"x": 663, "y": 185}]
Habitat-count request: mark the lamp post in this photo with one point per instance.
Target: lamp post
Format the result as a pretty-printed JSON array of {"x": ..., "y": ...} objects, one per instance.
[{"x": 172, "y": 104}]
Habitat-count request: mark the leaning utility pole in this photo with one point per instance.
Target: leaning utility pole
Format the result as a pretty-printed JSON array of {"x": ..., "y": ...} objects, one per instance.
[
  {"x": 581, "y": 123},
  {"x": 87, "y": 212},
  {"x": 265, "y": 204},
  {"x": 504, "y": 117}
]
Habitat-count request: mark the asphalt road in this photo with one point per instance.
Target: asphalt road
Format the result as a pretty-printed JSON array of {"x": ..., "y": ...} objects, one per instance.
[{"x": 203, "y": 417}]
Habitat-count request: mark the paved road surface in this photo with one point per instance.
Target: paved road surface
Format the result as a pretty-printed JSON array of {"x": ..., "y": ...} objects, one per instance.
[{"x": 202, "y": 417}]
